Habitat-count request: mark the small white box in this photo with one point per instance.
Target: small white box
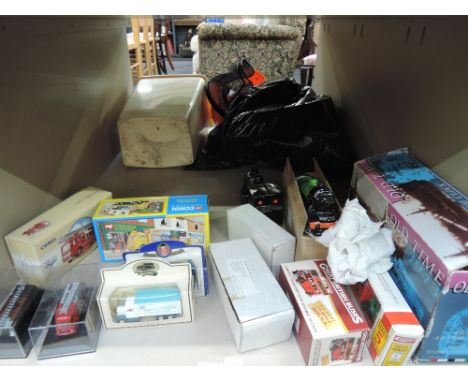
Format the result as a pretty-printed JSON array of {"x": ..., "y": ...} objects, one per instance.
[
  {"x": 276, "y": 245},
  {"x": 258, "y": 311}
]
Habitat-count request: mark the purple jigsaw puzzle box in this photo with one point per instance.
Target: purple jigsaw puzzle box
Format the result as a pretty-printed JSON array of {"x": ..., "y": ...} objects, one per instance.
[{"x": 428, "y": 217}]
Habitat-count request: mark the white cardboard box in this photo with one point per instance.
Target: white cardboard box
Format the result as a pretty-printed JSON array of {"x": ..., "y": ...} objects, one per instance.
[
  {"x": 276, "y": 245},
  {"x": 256, "y": 308},
  {"x": 50, "y": 244}
]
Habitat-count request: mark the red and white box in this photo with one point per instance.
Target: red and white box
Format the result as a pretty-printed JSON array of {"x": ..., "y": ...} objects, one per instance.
[
  {"x": 396, "y": 332},
  {"x": 329, "y": 327}
]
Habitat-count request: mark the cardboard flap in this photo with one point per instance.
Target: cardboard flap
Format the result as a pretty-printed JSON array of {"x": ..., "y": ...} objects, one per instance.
[{"x": 294, "y": 199}]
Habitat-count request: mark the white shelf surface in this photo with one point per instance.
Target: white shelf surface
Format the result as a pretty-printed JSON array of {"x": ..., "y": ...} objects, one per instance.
[{"x": 206, "y": 341}]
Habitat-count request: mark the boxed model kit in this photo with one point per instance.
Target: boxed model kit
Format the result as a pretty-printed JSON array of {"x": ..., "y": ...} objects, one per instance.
[
  {"x": 329, "y": 327},
  {"x": 175, "y": 252},
  {"x": 257, "y": 310},
  {"x": 429, "y": 219},
  {"x": 395, "y": 330},
  {"x": 49, "y": 245},
  {"x": 146, "y": 292},
  {"x": 125, "y": 225}
]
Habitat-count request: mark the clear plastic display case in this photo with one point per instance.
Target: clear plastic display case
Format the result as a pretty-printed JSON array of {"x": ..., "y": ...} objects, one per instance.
[
  {"x": 67, "y": 320},
  {"x": 18, "y": 302}
]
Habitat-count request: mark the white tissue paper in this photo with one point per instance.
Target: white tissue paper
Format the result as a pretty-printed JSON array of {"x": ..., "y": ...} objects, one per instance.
[{"x": 357, "y": 246}]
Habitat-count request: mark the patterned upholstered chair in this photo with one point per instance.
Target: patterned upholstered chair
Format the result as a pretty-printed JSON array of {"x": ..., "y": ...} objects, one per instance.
[{"x": 272, "y": 49}]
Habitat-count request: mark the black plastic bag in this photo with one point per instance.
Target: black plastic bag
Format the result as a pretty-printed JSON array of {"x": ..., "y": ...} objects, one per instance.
[{"x": 266, "y": 124}]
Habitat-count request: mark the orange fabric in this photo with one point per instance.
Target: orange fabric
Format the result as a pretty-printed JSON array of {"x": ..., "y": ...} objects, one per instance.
[{"x": 257, "y": 78}]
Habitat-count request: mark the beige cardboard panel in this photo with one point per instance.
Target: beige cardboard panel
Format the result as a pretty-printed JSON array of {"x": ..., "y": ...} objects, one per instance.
[
  {"x": 296, "y": 215},
  {"x": 21, "y": 201},
  {"x": 63, "y": 83},
  {"x": 397, "y": 82}
]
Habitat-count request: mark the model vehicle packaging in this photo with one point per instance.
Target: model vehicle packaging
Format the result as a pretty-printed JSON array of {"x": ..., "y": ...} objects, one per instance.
[
  {"x": 160, "y": 124},
  {"x": 146, "y": 292},
  {"x": 395, "y": 330},
  {"x": 276, "y": 245},
  {"x": 296, "y": 217},
  {"x": 429, "y": 220},
  {"x": 18, "y": 302},
  {"x": 125, "y": 225},
  {"x": 175, "y": 252},
  {"x": 264, "y": 196},
  {"x": 67, "y": 320},
  {"x": 49, "y": 245},
  {"x": 329, "y": 327},
  {"x": 256, "y": 308}
]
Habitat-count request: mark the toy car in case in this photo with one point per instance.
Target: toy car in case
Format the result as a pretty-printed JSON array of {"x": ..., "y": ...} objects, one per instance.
[
  {"x": 69, "y": 309},
  {"x": 145, "y": 292},
  {"x": 264, "y": 196},
  {"x": 159, "y": 303},
  {"x": 16, "y": 314},
  {"x": 67, "y": 320}
]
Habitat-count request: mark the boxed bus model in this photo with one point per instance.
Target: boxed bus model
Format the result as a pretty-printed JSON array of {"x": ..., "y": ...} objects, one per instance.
[
  {"x": 429, "y": 219},
  {"x": 395, "y": 330},
  {"x": 49, "y": 245},
  {"x": 125, "y": 225},
  {"x": 329, "y": 327}
]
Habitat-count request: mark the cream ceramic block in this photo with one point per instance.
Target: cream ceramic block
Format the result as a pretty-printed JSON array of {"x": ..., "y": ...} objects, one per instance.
[{"x": 160, "y": 124}]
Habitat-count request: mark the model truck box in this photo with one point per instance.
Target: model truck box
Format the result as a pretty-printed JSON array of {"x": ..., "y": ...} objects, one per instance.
[
  {"x": 49, "y": 245},
  {"x": 395, "y": 330},
  {"x": 276, "y": 245},
  {"x": 429, "y": 219},
  {"x": 125, "y": 225},
  {"x": 329, "y": 327},
  {"x": 257, "y": 310},
  {"x": 146, "y": 292}
]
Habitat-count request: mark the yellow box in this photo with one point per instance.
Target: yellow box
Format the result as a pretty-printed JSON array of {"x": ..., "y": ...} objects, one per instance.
[{"x": 124, "y": 225}]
